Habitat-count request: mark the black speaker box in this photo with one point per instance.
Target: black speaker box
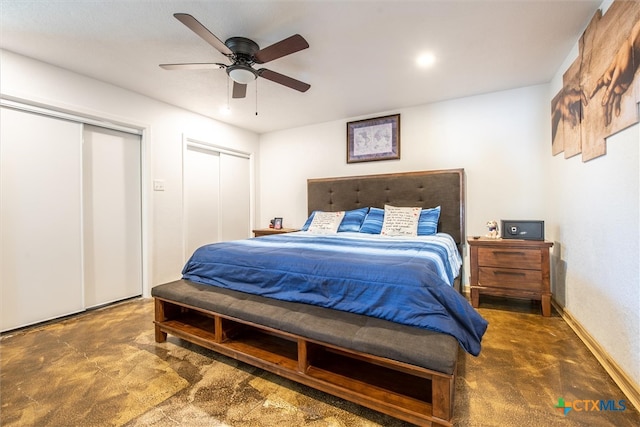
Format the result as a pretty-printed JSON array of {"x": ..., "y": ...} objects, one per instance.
[{"x": 527, "y": 230}]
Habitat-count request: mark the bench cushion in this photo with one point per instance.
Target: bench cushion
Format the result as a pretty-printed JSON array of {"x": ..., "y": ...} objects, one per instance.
[{"x": 420, "y": 347}]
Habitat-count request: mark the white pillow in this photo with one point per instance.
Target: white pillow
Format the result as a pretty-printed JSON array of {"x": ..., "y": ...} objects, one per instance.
[
  {"x": 326, "y": 222},
  {"x": 400, "y": 221}
]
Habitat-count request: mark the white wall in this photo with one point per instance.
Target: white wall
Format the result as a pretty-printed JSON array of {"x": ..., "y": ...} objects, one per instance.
[
  {"x": 163, "y": 125},
  {"x": 594, "y": 209},
  {"x": 497, "y": 138}
]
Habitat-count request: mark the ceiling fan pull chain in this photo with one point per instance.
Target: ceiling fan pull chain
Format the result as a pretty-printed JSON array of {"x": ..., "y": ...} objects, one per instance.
[{"x": 256, "y": 97}]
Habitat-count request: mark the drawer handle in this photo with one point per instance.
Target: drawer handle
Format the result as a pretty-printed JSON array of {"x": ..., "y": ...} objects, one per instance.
[{"x": 509, "y": 273}]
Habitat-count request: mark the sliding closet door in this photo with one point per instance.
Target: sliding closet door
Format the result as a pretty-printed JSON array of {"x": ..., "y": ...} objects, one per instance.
[
  {"x": 112, "y": 215},
  {"x": 40, "y": 218},
  {"x": 217, "y": 195},
  {"x": 201, "y": 198},
  {"x": 235, "y": 197}
]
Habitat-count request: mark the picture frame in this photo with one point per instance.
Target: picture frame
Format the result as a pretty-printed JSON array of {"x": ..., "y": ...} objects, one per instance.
[
  {"x": 374, "y": 139},
  {"x": 277, "y": 223}
]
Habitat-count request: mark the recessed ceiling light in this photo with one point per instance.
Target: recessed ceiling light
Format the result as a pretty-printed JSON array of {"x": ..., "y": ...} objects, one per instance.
[{"x": 425, "y": 60}]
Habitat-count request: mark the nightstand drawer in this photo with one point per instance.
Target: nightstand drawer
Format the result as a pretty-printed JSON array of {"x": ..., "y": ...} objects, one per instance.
[
  {"x": 509, "y": 258},
  {"x": 510, "y": 278}
]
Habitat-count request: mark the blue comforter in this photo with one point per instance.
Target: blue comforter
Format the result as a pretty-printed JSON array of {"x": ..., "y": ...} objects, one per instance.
[{"x": 406, "y": 281}]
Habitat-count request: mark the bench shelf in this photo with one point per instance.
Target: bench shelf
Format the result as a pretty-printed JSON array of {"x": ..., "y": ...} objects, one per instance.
[{"x": 411, "y": 393}]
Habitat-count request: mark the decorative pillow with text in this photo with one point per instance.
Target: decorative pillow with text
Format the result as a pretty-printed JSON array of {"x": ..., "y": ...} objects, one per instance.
[
  {"x": 326, "y": 222},
  {"x": 400, "y": 221}
]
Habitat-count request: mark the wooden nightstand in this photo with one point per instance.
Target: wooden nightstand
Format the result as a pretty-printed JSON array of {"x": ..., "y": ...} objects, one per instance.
[
  {"x": 511, "y": 268},
  {"x": 267, "y": 231}
]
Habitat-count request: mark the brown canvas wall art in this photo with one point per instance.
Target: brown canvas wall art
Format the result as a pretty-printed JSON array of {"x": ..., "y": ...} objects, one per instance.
[{"x": 601, "y": 89}]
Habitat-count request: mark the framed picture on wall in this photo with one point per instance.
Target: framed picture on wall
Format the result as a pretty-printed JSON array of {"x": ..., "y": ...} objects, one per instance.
[{"x": 373, "y": 139}]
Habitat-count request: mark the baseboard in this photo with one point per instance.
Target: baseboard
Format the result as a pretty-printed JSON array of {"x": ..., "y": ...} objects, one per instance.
[{"x": 630, "y": 389}]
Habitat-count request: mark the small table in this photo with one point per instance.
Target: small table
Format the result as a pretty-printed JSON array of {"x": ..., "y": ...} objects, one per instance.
[
  {"x": 510, "y": 268},
  {"x": 267, "y": 231}
]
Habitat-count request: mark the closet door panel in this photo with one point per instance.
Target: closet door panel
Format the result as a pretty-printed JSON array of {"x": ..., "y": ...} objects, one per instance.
[
  {"x": 112, "y": 216},
  {"x": 40, "y": 218},
  {"x": 201, "y": 198},
  {"x": 235, "y": 197}
]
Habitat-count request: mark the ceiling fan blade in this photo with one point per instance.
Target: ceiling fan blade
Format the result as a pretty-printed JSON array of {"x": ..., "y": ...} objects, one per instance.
[
  {"x": 195, "y": 26},
  {"x": 239, "y": 90},
  {"x": 283, "y": 80},
  {"x": 194, "y": 66},
  {"x": 282, "y": 48}
]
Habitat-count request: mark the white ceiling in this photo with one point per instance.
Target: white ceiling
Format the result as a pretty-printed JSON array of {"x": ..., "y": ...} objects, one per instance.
[{"x": 361, "y": 59}]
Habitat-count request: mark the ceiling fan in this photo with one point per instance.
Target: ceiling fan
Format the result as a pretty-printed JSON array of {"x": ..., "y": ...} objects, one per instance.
[{"x": 243, "y": 53}]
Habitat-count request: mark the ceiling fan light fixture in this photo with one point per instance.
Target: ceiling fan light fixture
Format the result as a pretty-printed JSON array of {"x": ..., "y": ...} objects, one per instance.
[{"x": 240, "y": 74}]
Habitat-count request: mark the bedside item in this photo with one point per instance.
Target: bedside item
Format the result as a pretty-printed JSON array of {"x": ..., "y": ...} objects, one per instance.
[
  {"x": 494, "y": 231},
  {"x": 510, "y": 268},
  {"x": 527, "y": 230},
  {"x": 275, "y": 223}
]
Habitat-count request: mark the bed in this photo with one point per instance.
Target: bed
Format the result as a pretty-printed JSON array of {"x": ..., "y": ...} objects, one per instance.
[{"x": 374, "y": 319}]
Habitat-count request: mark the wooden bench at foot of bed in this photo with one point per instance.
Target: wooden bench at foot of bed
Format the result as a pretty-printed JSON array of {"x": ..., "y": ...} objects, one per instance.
[{"x": 282, "y": 337}]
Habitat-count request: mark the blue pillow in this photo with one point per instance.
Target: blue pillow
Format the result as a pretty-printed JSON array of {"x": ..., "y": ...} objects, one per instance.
[
  {"x": 373, "y": 221},
  {"x": 306, "y": 225},
  {"x": 428, "y": 221},
  {"x": 353, "y": 220}
]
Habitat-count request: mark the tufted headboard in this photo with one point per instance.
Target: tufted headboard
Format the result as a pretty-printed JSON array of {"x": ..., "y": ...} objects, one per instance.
[{"x": 426, "y": 189}]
